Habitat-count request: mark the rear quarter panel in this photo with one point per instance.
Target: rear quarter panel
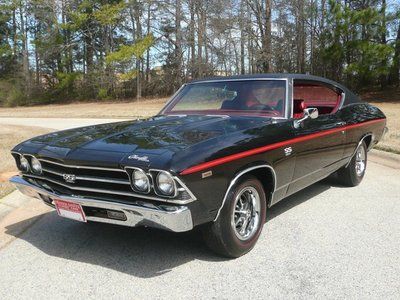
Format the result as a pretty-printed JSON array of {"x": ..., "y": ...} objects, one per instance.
[{"x": 361, "y": 119}]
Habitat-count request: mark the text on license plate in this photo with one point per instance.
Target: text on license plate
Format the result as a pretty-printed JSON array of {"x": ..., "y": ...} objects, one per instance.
[{"x": 70, "y": 210}]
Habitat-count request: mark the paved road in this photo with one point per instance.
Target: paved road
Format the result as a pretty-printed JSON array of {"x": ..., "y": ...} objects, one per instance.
[{"x": 324, "y": 242}]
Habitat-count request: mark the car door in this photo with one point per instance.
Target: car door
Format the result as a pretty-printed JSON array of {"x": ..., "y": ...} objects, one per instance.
[{"x": 318, "y": 147}]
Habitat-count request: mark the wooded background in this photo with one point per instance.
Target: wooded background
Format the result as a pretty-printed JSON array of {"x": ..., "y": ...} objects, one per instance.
[{"x": 62, "y": 50}]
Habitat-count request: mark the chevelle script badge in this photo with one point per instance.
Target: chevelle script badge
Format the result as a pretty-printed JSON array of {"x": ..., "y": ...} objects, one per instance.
[{"x": 139, "y": 158}]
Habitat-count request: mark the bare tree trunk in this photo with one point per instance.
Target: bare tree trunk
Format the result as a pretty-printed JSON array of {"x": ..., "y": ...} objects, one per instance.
[
  {"x": 178, "y": 43},
  {"x": 37, "y": 59},
  {"x": 204, "y": 25},
  {"x": 25, "y": 54},
  {"x": 263, "y": 12},
  {"x": 200, "y": 36},
  {"x": 136, "y": 35},
  {"x": 313, "y": 35},
  {"x": 192, "y": 39},
  {"x": 148, "y": 50},
  {"x": 242, "y": 38},
  {"x": 14, "y": 33},
  {"x": 383, "y": 77},
  {"x": 395, "y": 70},
  {"x": 88, "y": 39},
  {"x": 301, "y": 36},
  {"x": 267, "y": 39},
  {"x": 250, "y": 48}
]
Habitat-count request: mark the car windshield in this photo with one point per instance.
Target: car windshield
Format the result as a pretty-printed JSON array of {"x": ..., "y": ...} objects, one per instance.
[{"x": 258, "y": 97}]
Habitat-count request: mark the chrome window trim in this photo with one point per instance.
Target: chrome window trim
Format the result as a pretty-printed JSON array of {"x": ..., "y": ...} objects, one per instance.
[
  {"x": 238, "y": 79},
  {"x": 289, "y": 100},
  {"x": 286, "y": 113},
  {"x": 336, "y": 109},
  {"x": 169, "y": 102},
  {"x": 236, "y": 178}
]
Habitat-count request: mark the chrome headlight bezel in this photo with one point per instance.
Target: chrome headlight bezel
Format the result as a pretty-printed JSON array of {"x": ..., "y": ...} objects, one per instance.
[
  {"x": 23, "y": 161},
  {"x": 141, "y": 175},
  {"x": 36, "y": 166},
  {"x": 172, "y": 183}
]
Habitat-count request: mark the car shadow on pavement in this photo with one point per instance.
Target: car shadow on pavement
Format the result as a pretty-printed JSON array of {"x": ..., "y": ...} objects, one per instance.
[
  {"x": 302, "y": 196},
  {"x": 141, "y": 252}
]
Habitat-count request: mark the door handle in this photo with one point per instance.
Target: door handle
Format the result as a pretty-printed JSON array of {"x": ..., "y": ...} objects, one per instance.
[{"x": 341, "y": 123}]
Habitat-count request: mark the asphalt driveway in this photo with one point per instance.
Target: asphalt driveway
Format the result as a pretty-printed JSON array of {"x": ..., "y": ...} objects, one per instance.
[{"x": 324, "y": 242}]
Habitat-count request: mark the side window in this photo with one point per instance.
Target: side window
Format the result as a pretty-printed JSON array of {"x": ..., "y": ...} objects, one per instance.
[{"x": 313, "y": 95}]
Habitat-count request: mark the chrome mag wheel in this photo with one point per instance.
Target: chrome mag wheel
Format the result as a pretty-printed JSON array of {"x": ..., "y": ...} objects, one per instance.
[
  {"x": 360, "y": 161},
  {"x": 246, "y": 214}
]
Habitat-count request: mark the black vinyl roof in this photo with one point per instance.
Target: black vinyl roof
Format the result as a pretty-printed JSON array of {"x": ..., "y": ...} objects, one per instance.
[{"x": 350, "y": 96}]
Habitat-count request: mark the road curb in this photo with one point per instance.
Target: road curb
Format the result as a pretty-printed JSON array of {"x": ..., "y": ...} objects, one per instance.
[
  {"x": 387, "y": 159},
  {"x": 20, "y": 217},
  {"x": 11, "y": 202}
]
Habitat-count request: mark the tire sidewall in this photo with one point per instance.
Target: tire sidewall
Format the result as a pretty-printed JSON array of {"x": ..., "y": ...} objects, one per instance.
[
  {"x": 238, "y": 246},
  {"x": 354, "y": 177}
]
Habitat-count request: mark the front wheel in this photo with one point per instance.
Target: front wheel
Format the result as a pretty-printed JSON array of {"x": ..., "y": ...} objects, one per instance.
[
  {"x": 353, "y": 174},
  {"x": 240, "y": 221}
]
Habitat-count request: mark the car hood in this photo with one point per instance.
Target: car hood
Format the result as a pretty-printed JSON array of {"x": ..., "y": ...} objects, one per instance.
[{"x": 141, "y": 141}]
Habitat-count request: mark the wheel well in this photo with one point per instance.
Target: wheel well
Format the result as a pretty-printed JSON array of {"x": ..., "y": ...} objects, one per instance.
[
  {"x": 267, "y": 179},
  {"x": 368, "y": 140}
]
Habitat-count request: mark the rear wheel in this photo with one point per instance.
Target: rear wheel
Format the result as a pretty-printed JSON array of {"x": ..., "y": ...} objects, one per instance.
[
  {"x": 353, "y": 174},
  {"x": 240, "y": 221}
]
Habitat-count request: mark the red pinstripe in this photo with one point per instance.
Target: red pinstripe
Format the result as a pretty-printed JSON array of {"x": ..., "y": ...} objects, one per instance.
[{"x": 258, "y": 150}]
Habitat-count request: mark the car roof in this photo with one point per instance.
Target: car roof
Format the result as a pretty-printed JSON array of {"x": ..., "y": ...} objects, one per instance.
[{"x": 350, "y": 96}]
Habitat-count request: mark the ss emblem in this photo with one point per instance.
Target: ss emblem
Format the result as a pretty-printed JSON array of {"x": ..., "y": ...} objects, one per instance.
[
  {"x": 70, "y": 178},
  {"x": 288, "y": 151}
]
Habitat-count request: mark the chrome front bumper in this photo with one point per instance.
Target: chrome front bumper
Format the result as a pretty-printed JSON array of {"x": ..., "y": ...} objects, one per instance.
[{"x": 172, "y": 218}]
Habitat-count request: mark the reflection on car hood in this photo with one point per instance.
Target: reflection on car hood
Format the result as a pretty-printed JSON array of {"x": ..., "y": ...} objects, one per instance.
[{"x": 163, "y": 132}]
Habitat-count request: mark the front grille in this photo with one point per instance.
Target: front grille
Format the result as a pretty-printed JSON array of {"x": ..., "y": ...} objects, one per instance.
[{"x": 94, "y": 182}]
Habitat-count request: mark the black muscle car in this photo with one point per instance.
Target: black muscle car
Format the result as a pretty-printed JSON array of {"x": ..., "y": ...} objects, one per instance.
[{"x": 219, "y": 154}]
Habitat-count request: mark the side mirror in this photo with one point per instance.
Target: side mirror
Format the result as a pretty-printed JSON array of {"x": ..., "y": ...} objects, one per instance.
[{"x": 309, "y": 113}]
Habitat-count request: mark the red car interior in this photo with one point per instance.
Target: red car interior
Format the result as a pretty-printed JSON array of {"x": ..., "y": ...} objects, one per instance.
[
  {"x": 323, "y": 98},
  {"x": 299, "y": 105}
]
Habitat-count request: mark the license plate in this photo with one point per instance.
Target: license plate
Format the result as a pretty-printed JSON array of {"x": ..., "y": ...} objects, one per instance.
[{"x": 70, "y": 210}]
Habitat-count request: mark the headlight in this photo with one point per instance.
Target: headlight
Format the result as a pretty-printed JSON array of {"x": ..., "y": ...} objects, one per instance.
[
  {"x": 24, "y": 164},
  {"x": 140, "y": 181},
  {"x": 36, "y": 166},
  {"x": 165, "y": 184}
]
